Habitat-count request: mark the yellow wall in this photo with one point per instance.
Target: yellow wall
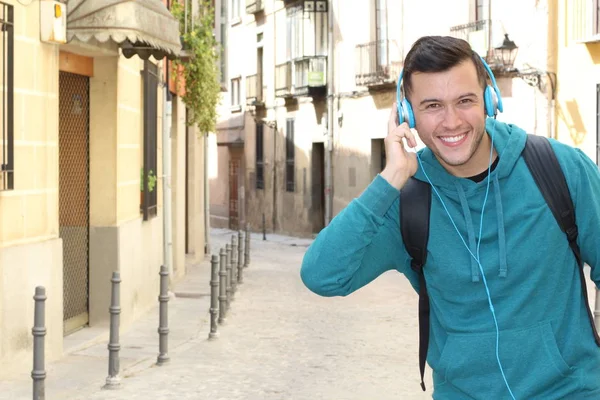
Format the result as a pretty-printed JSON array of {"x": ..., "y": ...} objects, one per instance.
[
  {"x": 30, "y": 212},
  {"x": 578, "y": 74}
]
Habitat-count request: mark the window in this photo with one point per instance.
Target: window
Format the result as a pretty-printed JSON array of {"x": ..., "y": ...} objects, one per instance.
[
  {"x": 223, "y": 42},
  {"x": 235, "y": 93},
  {"x": 236, "y": 7},
  {"x": 260, "y": 160},
  {"x": 149, "y": 170},
  {"x": 479, "y": 11},
  {"x": 6, "y": 98},
  {"x": 381, "y": 32},
  {"x": 289, "y": 156},
  {"x": 307, "y": 29},
  {"x": 596, "y": 12}
]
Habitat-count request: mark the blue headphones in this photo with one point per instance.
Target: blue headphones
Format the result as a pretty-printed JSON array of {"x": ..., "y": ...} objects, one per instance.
[{"x": 491, "y": 97}]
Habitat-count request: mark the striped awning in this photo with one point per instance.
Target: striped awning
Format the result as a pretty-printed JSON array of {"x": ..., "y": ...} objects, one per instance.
[{"x": 142, "y": 27}]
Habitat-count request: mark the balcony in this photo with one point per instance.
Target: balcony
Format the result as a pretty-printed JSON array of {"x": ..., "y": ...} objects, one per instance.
[
  {"x": 306, "y": 76},
  {"x": 283, "y": 80},
  {"x": 478, "y": 35},
  {"x": 254, "y": 6},
  {"x": 375, "y": 66},
  {"x": 254, "y": 91}
]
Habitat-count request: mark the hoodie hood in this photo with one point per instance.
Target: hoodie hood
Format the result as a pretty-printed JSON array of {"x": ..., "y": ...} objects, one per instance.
[{"x": 509, "y": 142}]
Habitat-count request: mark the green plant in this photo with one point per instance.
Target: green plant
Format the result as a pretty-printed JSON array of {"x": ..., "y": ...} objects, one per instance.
[
  {"x": 151, "y": 180},
  {"x": 200, "y": 72}
]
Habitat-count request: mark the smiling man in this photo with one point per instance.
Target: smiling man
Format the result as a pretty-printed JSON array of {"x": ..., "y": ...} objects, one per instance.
[{"x": 508, "y": 319}]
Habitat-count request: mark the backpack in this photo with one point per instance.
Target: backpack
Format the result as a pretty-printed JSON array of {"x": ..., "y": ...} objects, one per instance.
[{"x": 415, "y": 204}]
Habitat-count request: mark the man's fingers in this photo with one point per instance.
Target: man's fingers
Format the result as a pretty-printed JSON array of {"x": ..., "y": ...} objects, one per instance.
[
  {"x": 403, "y": 131},
  {"x": 393, "y": 119}
]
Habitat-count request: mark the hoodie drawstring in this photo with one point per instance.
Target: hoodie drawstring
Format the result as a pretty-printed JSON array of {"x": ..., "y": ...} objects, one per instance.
[
  {"x": 501, "y": 234},
  {"x": 470, "y": 231}
]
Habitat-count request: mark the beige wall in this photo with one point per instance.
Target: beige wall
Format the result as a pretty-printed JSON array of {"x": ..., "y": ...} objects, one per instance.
[
  {"x": 30, "y": 250},
  {"x": 219, "y": 189},
  {"x": 178, "y": 162}
]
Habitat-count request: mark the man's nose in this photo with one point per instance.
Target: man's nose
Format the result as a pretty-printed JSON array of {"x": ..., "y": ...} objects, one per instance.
[{"x": 452, "y": 118}]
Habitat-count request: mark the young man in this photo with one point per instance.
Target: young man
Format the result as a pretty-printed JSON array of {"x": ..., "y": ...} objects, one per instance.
[{"x": 536, "y": 342}]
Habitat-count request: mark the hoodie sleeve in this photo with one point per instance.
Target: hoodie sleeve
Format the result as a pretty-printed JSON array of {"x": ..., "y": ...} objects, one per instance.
[
  {"x": 361, "y": 242},
  {"x": 587, "y": 213}
]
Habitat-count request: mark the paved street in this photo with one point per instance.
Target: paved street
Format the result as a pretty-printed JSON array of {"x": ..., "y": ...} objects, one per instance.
[{"x": 279, "y": 342}]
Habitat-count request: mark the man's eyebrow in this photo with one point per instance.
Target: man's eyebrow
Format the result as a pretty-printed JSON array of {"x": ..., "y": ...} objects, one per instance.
[{"x": 462, "y": 96}]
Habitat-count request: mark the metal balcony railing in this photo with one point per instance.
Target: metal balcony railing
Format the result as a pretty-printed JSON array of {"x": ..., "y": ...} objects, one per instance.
[
  {"x": 283, "y": 79},
  {"x": 254, "y": 6},
  {"x": 480, "y": 34},
  {"x": 254, "y": 90},
  {"x": 375, "y": 64},
  {"x": 294, "y": 78}
]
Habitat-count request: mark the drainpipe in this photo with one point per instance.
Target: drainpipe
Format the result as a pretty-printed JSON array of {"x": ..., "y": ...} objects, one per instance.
[
  {"x": 206, "y": 198},
  {"x": 330, "y": 118},
  {"x": 166, "y": 154}
]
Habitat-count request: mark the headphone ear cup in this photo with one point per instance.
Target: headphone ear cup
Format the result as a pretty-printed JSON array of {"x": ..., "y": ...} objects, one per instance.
[
  {"x": 490, "y": 101},
  {"x": 400, "y": 113},
  {"x": 408, "y": 113}
]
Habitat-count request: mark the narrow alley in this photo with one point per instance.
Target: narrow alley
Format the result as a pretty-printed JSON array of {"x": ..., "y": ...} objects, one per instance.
[{"x": 279, "y": 341}]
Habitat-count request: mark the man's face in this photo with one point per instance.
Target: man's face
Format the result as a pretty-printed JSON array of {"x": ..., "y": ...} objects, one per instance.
[{"x": 450, "y": 118}]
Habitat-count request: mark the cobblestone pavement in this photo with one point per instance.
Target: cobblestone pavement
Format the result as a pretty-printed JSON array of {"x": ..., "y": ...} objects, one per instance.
[{"x": 280, "y": 341}]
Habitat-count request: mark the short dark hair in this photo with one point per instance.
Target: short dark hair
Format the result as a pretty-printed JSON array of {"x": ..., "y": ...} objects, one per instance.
[{"x": 438, "y": 54}]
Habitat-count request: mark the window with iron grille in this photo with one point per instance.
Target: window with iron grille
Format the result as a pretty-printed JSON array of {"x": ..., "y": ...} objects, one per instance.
[
  {"x": 260, "y": 166},
  {"x": 7, "y": 97},
  {"x": 289, "y": 157},
  {"x": 149, "y": 170}
]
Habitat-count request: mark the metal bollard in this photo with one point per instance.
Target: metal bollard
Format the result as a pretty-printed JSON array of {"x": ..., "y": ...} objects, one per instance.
[
  {"x": 240, "y": 258},
  {"x": 234, "y": 255},
  {"x": 113, "y": 380},
  {"x": 163, "y": 319},
  {"x": 247, "y": 249},
  {"x": 214, "y": 301},
  {"x": 222, "y": 286},
  {"x": 228, "y": 261},
  {"x": 39, "y": 331}
]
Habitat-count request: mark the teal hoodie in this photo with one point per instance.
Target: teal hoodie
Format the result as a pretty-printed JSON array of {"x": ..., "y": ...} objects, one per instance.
[{"x": 547, "y": 347}]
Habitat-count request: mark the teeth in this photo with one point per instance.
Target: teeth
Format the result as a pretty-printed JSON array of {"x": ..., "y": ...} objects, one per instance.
[{"x": 452, "y": 139}]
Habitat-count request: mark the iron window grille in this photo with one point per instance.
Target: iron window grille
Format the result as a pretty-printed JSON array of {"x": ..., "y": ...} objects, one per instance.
[
  {"x": 7, "y": 97},
  {"x": 289, "y": 157},
  {"x": 149, "y": 179},
  {"x": 260, "y": 165}
]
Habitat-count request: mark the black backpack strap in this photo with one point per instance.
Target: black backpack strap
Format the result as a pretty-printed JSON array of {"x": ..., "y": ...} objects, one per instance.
[
  {"x": 415, "y": 204},
  {"x": 548, "y": 175}
]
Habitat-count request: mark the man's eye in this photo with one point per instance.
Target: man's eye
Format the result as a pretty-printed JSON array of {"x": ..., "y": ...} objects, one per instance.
[
  {"x": 466, "y": 101},
  {"x": 432, "y": 106}
]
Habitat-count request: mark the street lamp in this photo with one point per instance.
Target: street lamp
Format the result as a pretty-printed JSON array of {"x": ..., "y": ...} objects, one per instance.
[{"x": 507, "y": 52}]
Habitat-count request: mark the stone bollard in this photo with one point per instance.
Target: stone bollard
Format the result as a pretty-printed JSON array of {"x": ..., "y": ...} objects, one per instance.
[
  {"x": 247, "y": 248},
  {"x": 113, "y": 380},
  {"x": 214, "y": 301},
  {"x": 234, "y": 256},
  {"x": 240, "y": 265},
  {"x": 228, "y": 261},
  {"x": 163, "y": 319},
  {"x": 222, "y": 286},
  {"x": 38, "y": 374}
]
